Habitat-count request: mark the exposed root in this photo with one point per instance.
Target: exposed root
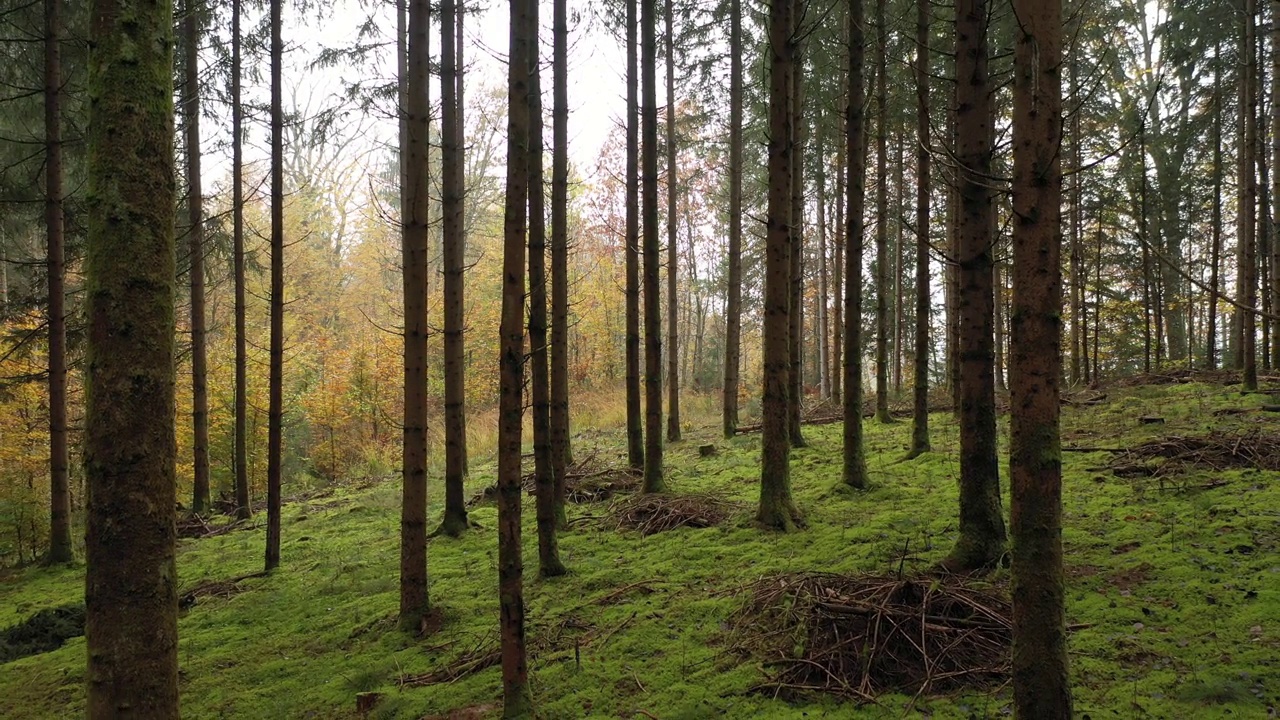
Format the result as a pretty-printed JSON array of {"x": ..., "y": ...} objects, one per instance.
[
  {"x": 658, "y": 512},
  {"x": 858, "y": 637}
]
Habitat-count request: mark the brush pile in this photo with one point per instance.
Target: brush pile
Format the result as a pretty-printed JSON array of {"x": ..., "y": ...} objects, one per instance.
[
  {"x": 1217, "y": 451},
  {"x": 857, "y": 637},
  {"x": 652, "y": 513}
]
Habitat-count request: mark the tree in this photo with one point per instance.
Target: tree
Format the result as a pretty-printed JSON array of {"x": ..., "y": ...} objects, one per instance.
[
  {"x": 549, "y": 563},
  {"x": 454, "y": 242},
  {"x": 414, "y": 597},
  {"x": 516, "y": 699},
  {"x": 560, "y": 447},
  {"x": 920, "y": 391},
  {"x": 982, "y": 533},
  {"x": 60, "y": 549},
  {"x": 1040, "y": 683},
  {"x": 1246, "y": 222},
  {"x": 653, "y": 474},
  {"x": 855, "y": 462},
  {"x": 795, "y": 227},
  {"x": 195, "y": 236},
  {"x": 673, "y": 258},
  {"x": 777, "y": 508},
  {"x": 733, "y": 303},
  {"x": 635, "y": 430},
  {"x": 131, "y": 602},
  {"x": 882, "y": 217},
  {"x": 275, "y": 390},
  {"x": 243, "y": 509}
]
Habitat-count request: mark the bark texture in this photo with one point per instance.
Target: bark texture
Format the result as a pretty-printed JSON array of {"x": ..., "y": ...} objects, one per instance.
[
  {"x": 561, "y": 450},
  {"x": 653, "y": 472},
  {"x": 275, "y": 389},
  {"x": 855, "y": 460},
  {"x": 195, "y": 236},
  {"x": 243, "y": 505},
  {"x": 635, "y": 426},
  {"x": 673, "y": 257},
  {"x": 733, "y": 303},
  {"x": 920, "y": 391}
]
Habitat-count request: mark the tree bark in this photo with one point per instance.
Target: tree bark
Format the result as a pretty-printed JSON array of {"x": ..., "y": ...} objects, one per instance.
[
  {"x": 635, "y": 431},
  {"x": 275, "y": 390},
  {"x": 882, "y": 219},
  {"x": 415, "y": 600},
  {"x": 838, "y": 237},
  {"x": 561, "y": 450},
  {"x": 673, "y": 259},
  {"x": 1079, "y": 341},
  {"x": 777, "y": 508},
  {"x": 131, "y": 601},
  {"x": 920, "y": 390},
  {"x": 60, "y": 547},
  {"x": 1274, "y": 259},
  {"x": 981, "y": 542},
  {"x": 1215, "y": 251},
  {"x": 653, "y": 473},
  {"x": 824, "y": 297},
  {"x": 549, "y": 564},
  {"x": 795, "y": 314},
  {"x": 1246, "y": 220},
  {"x": 854, "y": 472},
  {"x": 733, "y": 303},
  {"x": 1040, "y": 680},
  {"x": 517, "y": 701},
  {"x": 243, "y": 504},
  {"x": 453, "y": 240},
  {"x": 195, "y": 222}
]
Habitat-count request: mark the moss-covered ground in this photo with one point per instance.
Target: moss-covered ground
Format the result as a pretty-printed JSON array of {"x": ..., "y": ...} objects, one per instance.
[{"x": 1173, "y": 589}]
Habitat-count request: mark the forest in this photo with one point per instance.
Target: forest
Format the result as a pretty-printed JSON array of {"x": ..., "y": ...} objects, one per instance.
[{"x": 620, "y": 359}]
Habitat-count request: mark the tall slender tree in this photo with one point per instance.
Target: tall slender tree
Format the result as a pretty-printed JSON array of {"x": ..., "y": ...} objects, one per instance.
[
  {"x": 131, "y": 602},
  {"x": 1215, "y": 246},
  {"x": 824, "y": 298},
  {"x": 882, "y": 217},
  {"x": 561, "y": 450},
  {"x": 982, "y": 532},
  {"x": 414, "y": 597},
  {"x": 855, "y": 461},
  {"x": 795, "y": 226},
  {"x": 243, "y": 509},
  {"x": 1246, "y": 223},
  {"x": 920, "y": 391},
  {"x": 60, "y": 549},
  {"x": 517, "y": 701},
  {"x": 673, "y": 257},
  {"x": 195, "y": 236},
  {"x": 777, "y": 508},
  {"x": 454, "y": 243},
  {"x": 733, "y": 303},
  {"x": 635, "y": 427},
  {"x": 653, "y": 472},
  {"x": 1040, "y": 685},
  {"x": 275, "y": 390}
]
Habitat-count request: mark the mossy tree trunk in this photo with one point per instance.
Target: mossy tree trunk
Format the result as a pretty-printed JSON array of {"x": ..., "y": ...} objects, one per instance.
[
  {"x": 981, "y": 542},
  {"x": 795, "y": 269},
  {"x": 1040, "y": 681},
  {"x": 275, "y": 389},
  {"x": 653, "y": 470},
  {"x": 60, "y": 547},
  {"x": 131, "y": 601},
  {"x": 517, "y": 702},
  {"x": 454, "y": 243},
  {"x": 882, "y": 218},
  {"x": 561, "y": 449},
  {"x": 855, "y": 462},
  {"x": 195, "y": 236},
  {"x": 414, "y": 597},
  {"x": 635, "y": 426}
]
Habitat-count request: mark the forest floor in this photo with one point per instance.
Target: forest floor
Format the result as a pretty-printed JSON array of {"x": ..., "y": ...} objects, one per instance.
[{"x": 1173, "y": 583}]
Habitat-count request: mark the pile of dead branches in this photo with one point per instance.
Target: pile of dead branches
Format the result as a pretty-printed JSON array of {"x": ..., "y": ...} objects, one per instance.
[
  {"x": 216, "y": 589},
  {"x": 652, "y": 513},
  {"x": 586, "y": 481},
  {"x": 1219, "y": 450},
  {"x": 858, "y": 637},
  {"x": 195, "y": 526}
]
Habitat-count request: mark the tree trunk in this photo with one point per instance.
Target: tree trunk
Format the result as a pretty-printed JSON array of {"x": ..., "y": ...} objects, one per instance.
[
  {"x": 854, "y": 472},
  {"x": 516, "y": 699},
  {"x": 653, "y": 474},
  {"x": 824, "y": 298},
  {"x": 275, "y": 402},
  {"x": 882, "y": 218},
  {"x": 1215, "y": 251},
  {"x": 195, "y": 222},
  {"x": 453, "y": 240},
  {"x": 837, "y": 265},
  {"x": 920, "y": 390},
  {"x": 635, "y": 431},
  {"x": 414, "y": 597},
  {"x": 777, "y": 508},
  {"x": 733, "y": 304},
  {"x": 673, "y": 359},
  {"x": 131, "y": 602},
  {"x": 540, "y": 381},
  {"x": 1040, "y": 681},
  {"x": 1246, "y": 221},
  {"x": 795, "y": 314},
  {"x": 60, "y": 547},
  {"x": 951, "y": 270},
  {"x": 561, "y": 450},
  {"x": 982, "y": 533},
  {"x": 1079, "y": 341},
  {"x": 243, "y": 504},
  {"x": 899, "y": 261}
]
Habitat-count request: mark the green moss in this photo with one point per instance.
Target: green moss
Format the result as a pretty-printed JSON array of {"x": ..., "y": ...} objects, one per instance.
[{"x": 1174, "y": 592}]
